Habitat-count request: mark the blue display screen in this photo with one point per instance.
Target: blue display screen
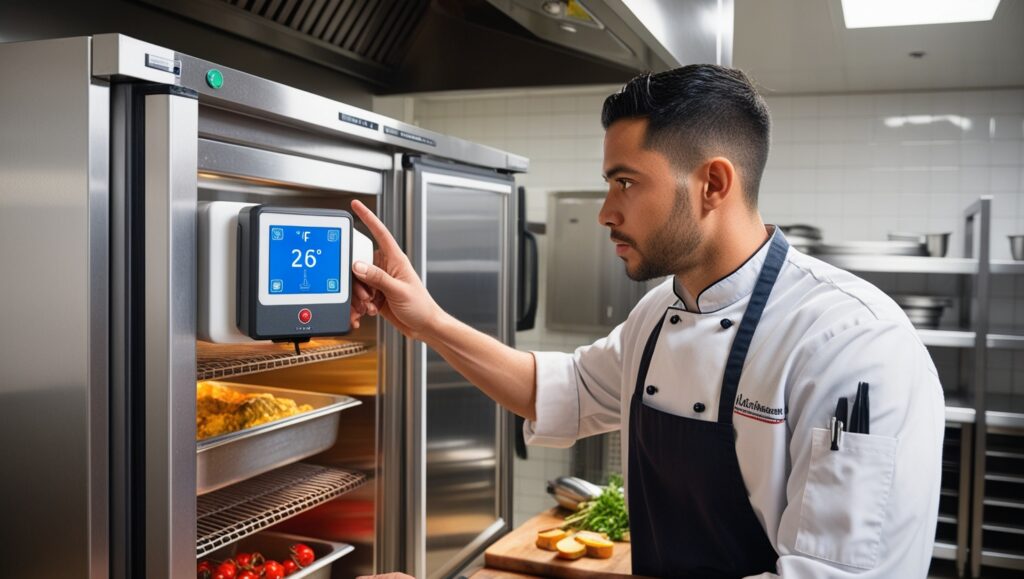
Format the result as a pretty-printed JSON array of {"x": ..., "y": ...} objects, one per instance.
[{"x": 304, "y": 260}]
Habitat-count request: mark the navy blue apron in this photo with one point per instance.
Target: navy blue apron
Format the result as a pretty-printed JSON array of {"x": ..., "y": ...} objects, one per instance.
[{"x": 689, "y": 512}]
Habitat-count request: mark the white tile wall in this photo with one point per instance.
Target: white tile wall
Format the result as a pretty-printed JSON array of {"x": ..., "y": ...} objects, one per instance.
[
  {"x": 860, "y": 166},
  {"x": 857, "y": 165}
]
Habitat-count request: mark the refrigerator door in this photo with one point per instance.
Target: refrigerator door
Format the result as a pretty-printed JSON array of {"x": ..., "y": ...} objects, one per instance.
[
  {"x": 54, "y": 233},
  {"x": 461, "y": 241}
]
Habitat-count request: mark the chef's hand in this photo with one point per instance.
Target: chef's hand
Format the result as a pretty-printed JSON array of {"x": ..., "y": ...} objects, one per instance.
[
  {"x": 387, "y": 576},
  {"x": 389, "y": 286}
]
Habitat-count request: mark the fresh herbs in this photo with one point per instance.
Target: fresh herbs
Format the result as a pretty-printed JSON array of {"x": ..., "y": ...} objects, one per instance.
[{"x": 605, "y": 514}]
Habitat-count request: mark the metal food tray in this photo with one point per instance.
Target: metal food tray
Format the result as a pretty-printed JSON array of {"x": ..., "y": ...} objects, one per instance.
[
  {"x": 229, "y": 458},
  {"x": 275, "y": 546}
]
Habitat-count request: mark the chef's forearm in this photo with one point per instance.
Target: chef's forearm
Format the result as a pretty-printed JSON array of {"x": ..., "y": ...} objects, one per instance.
[{"x": 505, "y": 374}]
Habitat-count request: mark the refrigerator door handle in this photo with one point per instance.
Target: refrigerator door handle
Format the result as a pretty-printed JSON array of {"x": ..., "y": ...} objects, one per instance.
[{"x": 528, "y": 282}]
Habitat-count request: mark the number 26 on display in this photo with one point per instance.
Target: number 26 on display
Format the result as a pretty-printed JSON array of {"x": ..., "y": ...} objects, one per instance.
[{"x": 308, "y": 259}]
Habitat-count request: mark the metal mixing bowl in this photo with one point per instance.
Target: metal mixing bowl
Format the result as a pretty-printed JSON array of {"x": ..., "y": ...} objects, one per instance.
[
  {"x": 1017, "y": 246},
  {"x": 936, "y": 244}
]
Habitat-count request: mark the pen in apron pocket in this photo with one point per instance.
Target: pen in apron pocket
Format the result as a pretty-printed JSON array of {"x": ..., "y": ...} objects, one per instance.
[
  {"x": 838, "y": 422},
  {"x": 861, "y": 415}
]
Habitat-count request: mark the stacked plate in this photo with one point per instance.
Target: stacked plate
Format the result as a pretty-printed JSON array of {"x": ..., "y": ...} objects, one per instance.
[
  {"x": 872, "y": 248},
  {"x": 802, "y": 237},
  {"x": 923, "y": 311}
]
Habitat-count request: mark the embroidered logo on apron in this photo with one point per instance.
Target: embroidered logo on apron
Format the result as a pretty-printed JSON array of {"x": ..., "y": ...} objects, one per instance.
[{"x": 756, "y": 411}]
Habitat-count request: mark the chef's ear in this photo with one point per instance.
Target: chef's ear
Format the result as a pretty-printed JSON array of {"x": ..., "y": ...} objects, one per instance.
[{"x": 720, "y": 182}]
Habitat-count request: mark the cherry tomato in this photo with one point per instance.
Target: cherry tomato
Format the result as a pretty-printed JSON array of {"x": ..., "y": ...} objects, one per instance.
[
  {"x": 273, "y": 570},
  {"x": 244, "y": 560},
  {"x": 248, "y": 561},
  {"x": 219, "y": 575},
  {"x": 247, "y": 575},
  {"x": 204, "y": 569},
  {"x": 289, "y": 567},
  {"x": 228, "y": 569},
  {"x": 302, "y": 555}
]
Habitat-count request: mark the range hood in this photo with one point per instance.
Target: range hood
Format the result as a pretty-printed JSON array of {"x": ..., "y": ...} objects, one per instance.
[
  {"x": 641, "y": 34},
  {"x": 431, "y": 45}
]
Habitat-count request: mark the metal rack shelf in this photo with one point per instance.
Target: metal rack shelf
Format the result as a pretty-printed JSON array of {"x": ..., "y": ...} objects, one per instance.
[
  {"x": 1005, "y": 341},
  {"x": 216, "y": 361},
  {"x": 1005, "y": 413},
  {"x": 947, "y": 338},
  {"x": 953, "y": 338},
  {"x": 1006, "y": 266},
  {"x": 902, "y": 264},
  {"x": 913, "y": 264},
  {"x": 1003, "y": 560},
  {"x": 943, "y": 550},
  {"x": 959, "y": 411},
  {"x": 227, "y": 515}
]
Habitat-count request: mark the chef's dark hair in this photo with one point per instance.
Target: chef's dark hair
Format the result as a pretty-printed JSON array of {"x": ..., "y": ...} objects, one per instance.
[{"x": 696, "y": 112}]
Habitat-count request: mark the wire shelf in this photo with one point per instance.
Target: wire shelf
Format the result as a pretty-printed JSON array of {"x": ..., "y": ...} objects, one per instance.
[
  {"x": 227, "y": 515},
  {"x": 216, "y": 361}
]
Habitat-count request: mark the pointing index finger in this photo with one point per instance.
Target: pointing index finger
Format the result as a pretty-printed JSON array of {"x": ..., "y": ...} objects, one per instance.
[{"x": 377, "y": 229}]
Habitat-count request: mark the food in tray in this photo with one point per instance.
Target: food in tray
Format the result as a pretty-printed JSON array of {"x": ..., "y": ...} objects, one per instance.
[
  {"x": 256, "y": 566},
  {"x": 220, "y": 410}
]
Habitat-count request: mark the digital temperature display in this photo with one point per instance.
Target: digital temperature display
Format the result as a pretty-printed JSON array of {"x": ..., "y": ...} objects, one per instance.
[{"x": 304, "y": 260}]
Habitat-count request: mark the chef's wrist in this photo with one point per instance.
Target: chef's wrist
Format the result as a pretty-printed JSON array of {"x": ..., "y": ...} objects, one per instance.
[{"x": 436, "y": 324}]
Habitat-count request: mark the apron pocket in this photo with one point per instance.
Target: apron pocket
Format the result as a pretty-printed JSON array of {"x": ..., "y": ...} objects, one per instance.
[{"x": 845, "y": 498}]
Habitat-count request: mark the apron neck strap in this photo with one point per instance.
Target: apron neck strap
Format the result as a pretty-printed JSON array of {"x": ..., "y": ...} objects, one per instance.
[{"x": 741, "y": 343}]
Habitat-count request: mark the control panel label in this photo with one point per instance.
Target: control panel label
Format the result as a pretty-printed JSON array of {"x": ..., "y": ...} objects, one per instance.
[
  {"x": 410, "y": 136},
  {"x": 347, "y": 118}
]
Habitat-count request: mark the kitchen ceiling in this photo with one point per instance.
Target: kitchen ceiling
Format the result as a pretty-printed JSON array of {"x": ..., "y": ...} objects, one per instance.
[{"x": 802, "y": 46}]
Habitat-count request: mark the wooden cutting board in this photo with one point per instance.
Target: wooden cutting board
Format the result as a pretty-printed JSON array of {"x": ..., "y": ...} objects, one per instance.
[{"x": 517, "y": 551}]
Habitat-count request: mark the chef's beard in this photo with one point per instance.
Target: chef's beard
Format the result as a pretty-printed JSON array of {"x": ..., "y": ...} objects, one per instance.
[{"x": 672, "y": 248}]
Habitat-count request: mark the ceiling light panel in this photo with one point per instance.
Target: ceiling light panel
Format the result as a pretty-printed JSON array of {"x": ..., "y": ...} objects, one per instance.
[{"x": 881, "y": 13}]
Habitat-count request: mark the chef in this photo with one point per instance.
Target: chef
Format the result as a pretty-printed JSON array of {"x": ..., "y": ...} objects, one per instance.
[{"x": 730, "y": 381}]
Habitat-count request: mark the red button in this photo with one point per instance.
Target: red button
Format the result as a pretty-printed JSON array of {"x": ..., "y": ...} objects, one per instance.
[{"x": 305, "y": 315}]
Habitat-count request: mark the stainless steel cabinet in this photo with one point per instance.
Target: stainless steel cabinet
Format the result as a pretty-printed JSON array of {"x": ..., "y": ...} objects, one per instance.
[{"x": 587, "y": 289}]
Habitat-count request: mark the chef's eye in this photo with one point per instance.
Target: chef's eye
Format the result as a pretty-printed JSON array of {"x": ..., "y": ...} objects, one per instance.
[{"x": 624, "y": 183}]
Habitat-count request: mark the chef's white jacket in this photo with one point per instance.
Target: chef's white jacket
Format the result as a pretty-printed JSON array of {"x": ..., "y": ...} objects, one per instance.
[{"x": 868, "y": 510}]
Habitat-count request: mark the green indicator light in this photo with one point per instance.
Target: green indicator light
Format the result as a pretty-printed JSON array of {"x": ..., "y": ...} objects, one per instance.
[{"x": 214, "y": 78}]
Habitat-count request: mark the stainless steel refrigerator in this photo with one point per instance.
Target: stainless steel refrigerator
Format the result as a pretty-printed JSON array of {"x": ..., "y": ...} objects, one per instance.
[{"x": 109, "y": 147}]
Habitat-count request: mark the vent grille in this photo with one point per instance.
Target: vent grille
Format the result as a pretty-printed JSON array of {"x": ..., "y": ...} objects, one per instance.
[
  {"x": 240, "y": 510},
  {"x": 374, "y": 30}
]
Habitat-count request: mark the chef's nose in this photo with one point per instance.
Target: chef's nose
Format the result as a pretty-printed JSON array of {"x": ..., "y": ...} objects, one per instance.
[{"x": 608, "y": 215}]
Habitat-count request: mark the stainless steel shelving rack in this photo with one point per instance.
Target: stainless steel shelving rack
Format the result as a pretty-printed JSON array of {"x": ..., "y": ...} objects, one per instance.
[{"x": 967, "y": 533}]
